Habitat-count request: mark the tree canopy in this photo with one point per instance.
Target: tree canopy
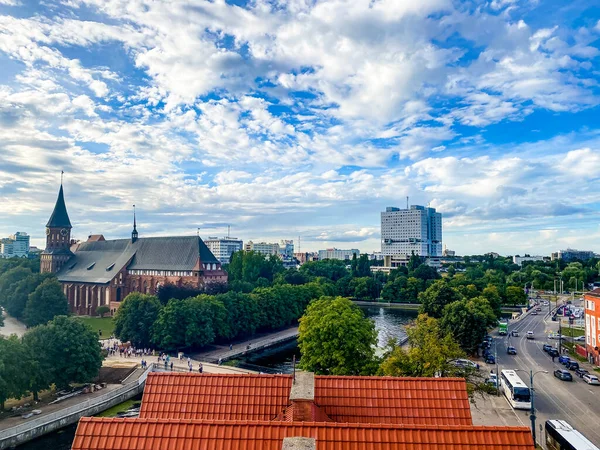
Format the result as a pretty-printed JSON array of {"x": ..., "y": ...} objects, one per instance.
[
  {"x": 468, "y": 320},
  {"x": 135, "y": 318},
  {"x": 436, "y": 297},
  {"x": 336, "y": 339},
  {"x": 45, "y": 303}
]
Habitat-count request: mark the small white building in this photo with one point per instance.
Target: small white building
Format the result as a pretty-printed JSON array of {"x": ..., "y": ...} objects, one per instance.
[
  {"x": 519, "y": 260},
  {"x": 264, "y": 248},
  {"x": 336, "y": 253}
]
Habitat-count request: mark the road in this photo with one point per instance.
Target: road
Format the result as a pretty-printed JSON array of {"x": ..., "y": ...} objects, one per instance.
[{"x": 576, "y": 402}]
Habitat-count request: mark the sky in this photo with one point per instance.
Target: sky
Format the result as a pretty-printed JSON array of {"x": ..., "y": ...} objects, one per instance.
[{"x": 290, "y": 119}]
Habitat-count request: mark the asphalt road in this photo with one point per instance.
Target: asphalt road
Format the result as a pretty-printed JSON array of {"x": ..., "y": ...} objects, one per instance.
[{"x": 576, "y": 402}]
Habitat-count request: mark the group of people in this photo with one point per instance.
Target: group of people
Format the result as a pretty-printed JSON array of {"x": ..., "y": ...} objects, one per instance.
[{"x": 125, "y": 350}]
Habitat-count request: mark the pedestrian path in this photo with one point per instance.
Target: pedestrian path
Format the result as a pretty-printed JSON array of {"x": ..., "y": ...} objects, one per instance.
[{"x": 225, "y": 352}]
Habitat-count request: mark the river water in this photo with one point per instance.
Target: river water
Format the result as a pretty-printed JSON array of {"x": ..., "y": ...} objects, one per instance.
[{"x": 389, "y": 323}]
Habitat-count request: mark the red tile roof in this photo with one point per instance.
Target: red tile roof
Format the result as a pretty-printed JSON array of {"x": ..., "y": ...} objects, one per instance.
[
  {"x": 94, "y": 433},
  {"x": 215, "y": 396},
  {"x": 435, "y": 401}
]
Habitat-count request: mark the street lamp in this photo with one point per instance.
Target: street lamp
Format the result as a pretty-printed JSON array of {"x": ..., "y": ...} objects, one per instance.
[{"x": 532, "y": 410}]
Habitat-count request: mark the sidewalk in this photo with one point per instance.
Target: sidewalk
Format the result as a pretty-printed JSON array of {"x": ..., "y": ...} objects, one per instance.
[
  {"x": 491, "y": 410},
  {"x": 12, "y": 326}
]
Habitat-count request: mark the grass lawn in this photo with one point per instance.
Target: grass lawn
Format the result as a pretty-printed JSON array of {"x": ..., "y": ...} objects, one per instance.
[
  {"x": 121, "y": 407},
  {"x": 572, "y": 332},
  {"x": 96, "y": 323}
]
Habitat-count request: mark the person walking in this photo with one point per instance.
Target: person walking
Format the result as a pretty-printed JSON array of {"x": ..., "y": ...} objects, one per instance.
[
  {"x": 200, "y": 368},
  {"x": 171, "y": 366},
  {"x": 230, "y": 347}
]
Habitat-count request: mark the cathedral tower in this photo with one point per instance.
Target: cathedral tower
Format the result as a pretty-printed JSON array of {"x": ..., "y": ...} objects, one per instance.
[{"x": 58, "y": 237}]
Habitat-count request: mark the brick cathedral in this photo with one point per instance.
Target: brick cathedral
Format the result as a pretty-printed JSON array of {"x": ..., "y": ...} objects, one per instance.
[{"x": 102, "y": 272}]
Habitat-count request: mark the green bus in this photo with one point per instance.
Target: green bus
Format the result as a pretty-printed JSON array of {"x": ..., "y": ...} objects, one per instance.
[{"x": 502, "y": 328}]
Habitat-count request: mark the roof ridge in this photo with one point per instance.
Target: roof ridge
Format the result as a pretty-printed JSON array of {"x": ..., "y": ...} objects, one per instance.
[{"x": 472, "y": 428}]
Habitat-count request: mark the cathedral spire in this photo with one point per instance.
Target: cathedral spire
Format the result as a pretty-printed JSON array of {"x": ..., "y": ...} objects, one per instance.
[
  {"x": 59, "y": 217},
  {"x": 134, "y": 233}
]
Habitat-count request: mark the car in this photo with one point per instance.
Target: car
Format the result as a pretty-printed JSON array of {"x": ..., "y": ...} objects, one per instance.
[
  {"x": 572, "y": 365},
  {"x": 489, "y": 359},
  {"x": 553, "y": 353},
  {"x": 591, "y": 379},
  {"x": 538, "y": 309},
  {"x": 547, "y": 347},
  {"x": 533, "y": 313},
  {"x": 579, "y": 339},
  {"x": 488, "y": 338},
  {"x": 581, "y": 372},
  {"x": 530, "y": 335},
  {"x": 511, "y": 350},
  {"x": 563, "y": 359},
  {"x": 563, "y": 375},
  {"x": 514, "y": 333},
  {"x": 466, "y": 363}
]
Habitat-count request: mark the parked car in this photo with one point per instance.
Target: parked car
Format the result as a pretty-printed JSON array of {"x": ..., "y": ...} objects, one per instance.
[
  {"x": 547, "y": 347},
  {"x": 489, "y": 359},
  {"x": 563, "y": 359},
  {"x": 563, "y": 374},
  {"x": 579, "y": 339},
  {"x": 572, "y": 365},
  {"x": 581, "y": 372},
  {"x": 466, "y": 363},
  {"x": 553, "y": 353},
  {"x": 511, "y": 350},
  {"x": 591, "y": 379},
  {"x": 514, "y": 333},
  {"x": 530, "y": 335},
  {"x": 534, "y": 313},
  {"x": 538, "y": 309}
]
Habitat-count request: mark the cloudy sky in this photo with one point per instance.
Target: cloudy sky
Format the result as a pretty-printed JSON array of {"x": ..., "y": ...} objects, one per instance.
[{"x": 289, "y": 118}]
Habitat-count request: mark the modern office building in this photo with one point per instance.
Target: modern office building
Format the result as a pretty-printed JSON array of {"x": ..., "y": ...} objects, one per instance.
[
  {"x": 417, "y": 229},
  {"x": 16, "y": 245},
  {"x": 263, "y": 248},
  {"x": 571, "y": 254},
  {"x": 224, "y": 247},
  {"x": 336, "y": 253}
]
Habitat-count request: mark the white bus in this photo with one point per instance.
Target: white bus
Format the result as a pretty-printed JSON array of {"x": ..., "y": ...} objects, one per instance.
[
  {"x": 515, "y": 390},
  {"x": 562, "y": 436}
]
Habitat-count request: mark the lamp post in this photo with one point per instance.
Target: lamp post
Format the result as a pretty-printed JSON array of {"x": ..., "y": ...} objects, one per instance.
[{"x": 532, "y": 410}]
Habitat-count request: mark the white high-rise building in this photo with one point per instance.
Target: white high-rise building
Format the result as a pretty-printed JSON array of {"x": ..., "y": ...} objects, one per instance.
[
  {"x": 223, "y": 248},
  {"x": 418, "y": 230},
  {"x": 16, "y": 245}
]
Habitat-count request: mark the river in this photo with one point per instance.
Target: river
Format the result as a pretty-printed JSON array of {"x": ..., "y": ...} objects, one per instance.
[{"x": 389, "y": 323}]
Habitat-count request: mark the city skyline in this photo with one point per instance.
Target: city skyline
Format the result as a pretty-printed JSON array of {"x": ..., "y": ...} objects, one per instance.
[{"x": 304, "y": 119}]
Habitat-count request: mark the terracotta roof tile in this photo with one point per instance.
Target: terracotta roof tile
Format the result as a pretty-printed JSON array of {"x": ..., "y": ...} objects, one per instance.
[
  {"x": 442, "y": 401},
  {"x": 94, "y": 433},
  {"x": 215, "y": 396}
]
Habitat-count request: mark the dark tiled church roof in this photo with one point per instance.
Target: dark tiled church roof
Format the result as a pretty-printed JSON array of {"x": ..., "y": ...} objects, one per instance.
[
  {"x": 59, "y": 217},
  {"x": 99, "y": 261}
]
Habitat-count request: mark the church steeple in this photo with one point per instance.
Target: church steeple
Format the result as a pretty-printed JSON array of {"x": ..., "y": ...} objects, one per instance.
[
  {"x": 134, "y": 233},
  {"x": 58, "y": 236}
]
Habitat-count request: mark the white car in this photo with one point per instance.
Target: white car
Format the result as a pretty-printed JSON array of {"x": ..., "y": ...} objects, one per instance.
[
  {"x": 579, "y": 339},
  {"x": 591, "y": 379},
  {"x": 465, "y": 363},
  {"x": 530, "y": 335}
]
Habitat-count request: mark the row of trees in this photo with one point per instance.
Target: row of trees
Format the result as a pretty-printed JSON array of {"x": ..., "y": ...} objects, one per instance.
[
  {"x": 203, "y": 319},
  {"x": 30, "y": 296},
  {"x": 63, "y": 351}
]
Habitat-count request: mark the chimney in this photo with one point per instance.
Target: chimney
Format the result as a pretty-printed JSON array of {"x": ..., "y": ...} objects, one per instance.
[
  {"x": 299, "y": 443},
  {"x": 302, "y": 397}
]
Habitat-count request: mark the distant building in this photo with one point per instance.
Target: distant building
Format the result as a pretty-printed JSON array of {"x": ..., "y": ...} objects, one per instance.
[
  {"x": 448, "y": 253},
  {"x": 375, "y": 256},
  {"x": 521, "y": 259},
  {"x": 286, "y": 249},
  {"x": 336, "y": 253},
  {"x": 263, "y": 248},
  {"x": 418, "y": 230},
  {"x": 224, "y": 247},
  {"x": 306, "y": 256},
  {"x": 571, "y": 254},
  {"x": 15, "y": 246},
  {"x": 592, "y": 325}
]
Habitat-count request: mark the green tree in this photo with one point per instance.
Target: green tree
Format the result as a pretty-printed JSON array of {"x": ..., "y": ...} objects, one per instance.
[
  {"x": 436, "y": 297},
  {"x": 45, "y": 303},
  {"x": 364, "y": 288},
  {"x": 394, "y": 289},
  {"x": 64, "y": 351},
  {"x": 135, "y": 317},
  {"x": 430, "y": 350},
  {"x": 332, "y": 269},
  {"x": 493, "y": 297},
  {"x": 451, "y": 271},
  {"x": 336, "y": 339},
  {"x": 515, "y": 295},
  {"x": 413, "y": 262},
  {"x": 16, "y": 299},
  {"x": 10, "y": 278},
  {"x": 101, "y": 310},
  {"x": 14, "y": 373},
  {"x": 468, "y": 320}
]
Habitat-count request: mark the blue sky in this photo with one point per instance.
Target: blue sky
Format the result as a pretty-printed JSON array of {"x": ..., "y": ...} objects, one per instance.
[{"x": 304, "y": 118}]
